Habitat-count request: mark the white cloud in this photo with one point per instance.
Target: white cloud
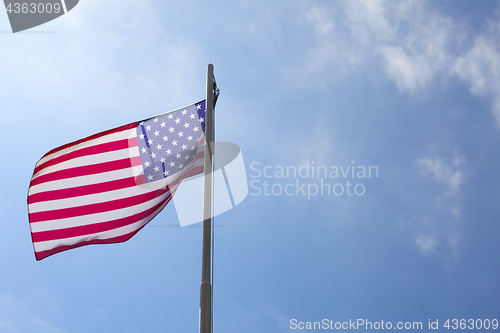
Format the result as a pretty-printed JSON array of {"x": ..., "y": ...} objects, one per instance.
[
  {"x": 413, "y": 43},
  {"x": 426, "y": 244},
  {"x": 320, "y": 19},
  {"x": 440, "y": 233},
  {"x": 369, "y": 21},
  {"x": 451, "y": 176},
  {"x": 480, "y": 66}
]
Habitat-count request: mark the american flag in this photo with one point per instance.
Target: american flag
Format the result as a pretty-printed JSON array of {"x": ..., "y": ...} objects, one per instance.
[{"x": 106, "y": 187}]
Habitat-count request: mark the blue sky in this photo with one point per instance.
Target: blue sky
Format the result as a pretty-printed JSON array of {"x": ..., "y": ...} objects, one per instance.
[{"x": 410, "y": 87}]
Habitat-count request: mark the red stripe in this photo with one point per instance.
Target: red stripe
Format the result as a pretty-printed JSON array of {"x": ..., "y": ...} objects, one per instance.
[
  {"x": 96, "y": 227},
  {"x": 92, "y": 137},
  {"x": 119, "y": 239},
  {"x": 87, "y": 170},
  {"x": 92, "y": 150},
  {"x": 95, "y": 208},
  {"x": 194, "y": 171},
  {"x": 82, "y": 190}
]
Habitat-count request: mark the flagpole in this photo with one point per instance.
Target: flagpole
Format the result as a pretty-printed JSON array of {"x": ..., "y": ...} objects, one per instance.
[{"x": 206, "y": 287}]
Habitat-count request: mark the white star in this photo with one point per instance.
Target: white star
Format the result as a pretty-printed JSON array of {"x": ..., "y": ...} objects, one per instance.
[
  {"x": 190, "y": 138},
  {"x": 144, "y": 150},
  {"x": 155, "y": 120},
  {"x": 169, "y": 152},
  {"x": 150, "y": 141},
  {"x": 186, "y": 125},
  {"x": 180, "y": 134},
  {"x": 180, "y": 166},
  {"x": 165, "y": 173},
  {"x": 150, "y": 177},
  {"x": 162, "y": 124},
  {"x": 142, "y": 123},
  {"x": 177, "y": 120},
  {"x": 196, "y": 128},
  {"x": 157, "y": 168},
  {"x": 174, "y": 143},
  {"x": 178, "y": 155},
  {"x": 201, "y": 119},
  {"x": 172, "y": 164},
  {"x": 165, "y": 138},
  {"x": 187, "y": 157},
  {"x": 157, "y": 133},
  {"x": 162, "y": 160},
  {"x": 199, "y": 138},
  {"x": 158, "y": 147},
  {"x": 141, "y": 136},
  {"x": 147, "y": 164},
  {"x": 171, "y": 129},
  {"x": 193, "y": 147},
  {"x": 184, "y": 147},
  {"x": 184, "y": 112},
  {"x": 192, "y": 116},
  {"x": 170, "y": 116},
  {"x": 198, "y": 107},
  {"x": 153, "y": 155},
  {"x": 148, "y": 128}
]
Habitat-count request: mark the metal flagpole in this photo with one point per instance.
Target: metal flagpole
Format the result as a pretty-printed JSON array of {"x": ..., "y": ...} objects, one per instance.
[{"x": 206, "y": 287}]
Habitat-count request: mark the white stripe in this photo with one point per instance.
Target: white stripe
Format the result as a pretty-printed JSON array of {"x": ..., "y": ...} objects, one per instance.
[
  {"x": 130, "y": 133},
  {"x": 101, "y": 197},
  {"x": 106, "y": 216},
  {"x": 87, "y": 199},
  {"x": 90, "y": 160},
  {"x": 96, "y": 199},
  {"x": 86, "y": 180},
  {"x": 95, "y": 179},
  {"x": 95, "y": 218},
  {"x": 48, "y": 245}
]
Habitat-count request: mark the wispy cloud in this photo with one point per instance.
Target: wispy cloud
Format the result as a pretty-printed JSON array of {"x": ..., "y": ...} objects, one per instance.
[
  {"x": 412, "y": 42},
  {"x": 480, "y": 66},
  {"x": 442, "y": 230},
  {"x": 320, "y": 19},
  {"x": 449, "y": 175},
  {"x": 426, "y": 243}
]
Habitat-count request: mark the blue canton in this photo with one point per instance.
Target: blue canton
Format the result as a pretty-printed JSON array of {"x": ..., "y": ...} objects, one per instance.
[{"x": 169, "y": 142}]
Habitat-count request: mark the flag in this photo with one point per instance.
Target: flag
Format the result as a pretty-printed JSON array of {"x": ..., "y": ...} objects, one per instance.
[{"x": 106, "y": 187}]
